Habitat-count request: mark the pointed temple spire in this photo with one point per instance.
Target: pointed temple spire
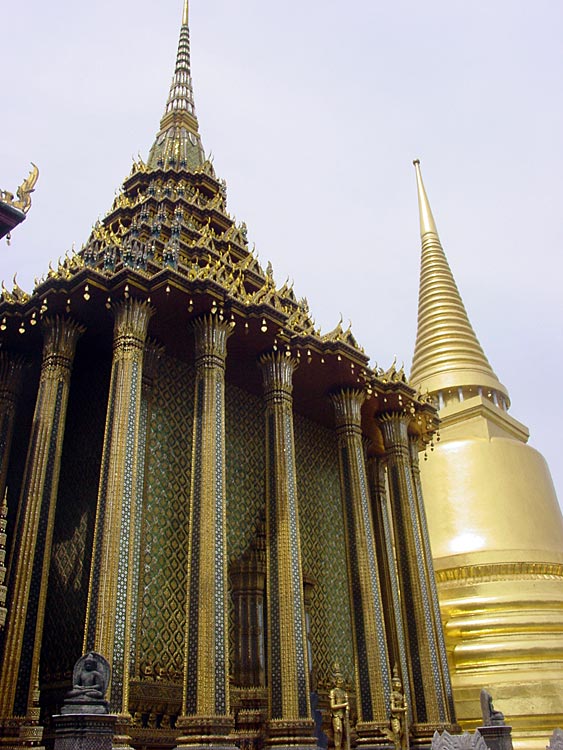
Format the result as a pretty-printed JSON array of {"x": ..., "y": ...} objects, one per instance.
[
  {"x": 178, "y": 143},
  {"x": 447, "y": 352}
]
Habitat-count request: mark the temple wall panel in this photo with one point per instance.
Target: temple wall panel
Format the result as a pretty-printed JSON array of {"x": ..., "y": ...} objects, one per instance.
[
  {"x": 244, "y": 438},
  {"x": 164, "y": 534},
  {"x": 322, "y": 547},
  {"x": 245, "y": 468}
]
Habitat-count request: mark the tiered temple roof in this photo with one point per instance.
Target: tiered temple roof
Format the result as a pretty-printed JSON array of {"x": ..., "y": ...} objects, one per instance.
[{"x": 169, "y": 237}]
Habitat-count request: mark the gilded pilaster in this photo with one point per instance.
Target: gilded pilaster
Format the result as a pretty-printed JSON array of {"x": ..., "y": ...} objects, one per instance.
[
  {"x": 290, "y": 722},
  {"x": 206, "y": 715},
  {"x": 385, "y": 544},
  {"x": 11, "y": 371},
  {"x": 30, "y": 566},
  {"x": 430, "y": 708},
  {"x": 372, "y": 673},
  {"x": 112, "y": 589}
]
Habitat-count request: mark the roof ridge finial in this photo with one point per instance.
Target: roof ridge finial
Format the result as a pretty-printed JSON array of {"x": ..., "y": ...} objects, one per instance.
[{"x": 447, "y": 352}]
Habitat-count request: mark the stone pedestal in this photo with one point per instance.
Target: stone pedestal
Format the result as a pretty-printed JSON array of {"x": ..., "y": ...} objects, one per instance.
[
  {"x": 497, "y": 737},
  {"x": 84, "y": 731}
]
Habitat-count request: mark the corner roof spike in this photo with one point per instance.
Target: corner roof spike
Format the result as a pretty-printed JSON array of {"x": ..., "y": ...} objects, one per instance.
[
  {"x": 178, "y": 142},
  {"x": 447, "y": 352}
]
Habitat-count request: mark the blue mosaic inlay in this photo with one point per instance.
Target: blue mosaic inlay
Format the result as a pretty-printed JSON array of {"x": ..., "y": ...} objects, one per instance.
[
  {"x": 400, "y": 627},
  {"x": 373, "y": 572},
  {"x": 426, "y": 602},
  {"x": 407, "y": 595},
  {"x": 120, "y": 666},
  {"x": 193, "y": 593},
  {"x": 297, "y": 586},
  {"x": 356, "y": 591},
  {"x": 273, "y": 580},
  {"x": 220, "y": 545}
]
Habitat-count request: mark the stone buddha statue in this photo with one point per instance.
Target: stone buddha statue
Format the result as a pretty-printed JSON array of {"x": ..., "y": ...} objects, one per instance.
[{"x": 90, "y": 681}]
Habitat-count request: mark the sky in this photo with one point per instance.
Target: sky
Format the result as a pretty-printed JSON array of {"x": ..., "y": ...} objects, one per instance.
[{"x": 313, "y": 112}]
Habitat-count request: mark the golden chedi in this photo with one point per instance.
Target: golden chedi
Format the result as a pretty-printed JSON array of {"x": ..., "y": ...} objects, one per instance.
[{"x": 495, "y": 524}]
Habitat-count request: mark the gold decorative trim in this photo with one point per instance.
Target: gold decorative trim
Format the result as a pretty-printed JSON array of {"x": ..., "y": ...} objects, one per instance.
[{"x": 498, "y": 571}]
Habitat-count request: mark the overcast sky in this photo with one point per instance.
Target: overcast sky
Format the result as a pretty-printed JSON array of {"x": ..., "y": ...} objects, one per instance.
[{"x": 313, "y": 111}]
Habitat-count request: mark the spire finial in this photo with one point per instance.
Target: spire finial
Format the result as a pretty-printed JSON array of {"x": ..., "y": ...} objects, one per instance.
[
  {"x": 447, "y": 352},
  {"x": 427, "y": 223},
  {"x": 178, "y": 142}
]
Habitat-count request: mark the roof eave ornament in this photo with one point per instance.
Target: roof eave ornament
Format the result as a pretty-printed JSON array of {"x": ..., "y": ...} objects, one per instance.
[{"x": 23, "y": 193}]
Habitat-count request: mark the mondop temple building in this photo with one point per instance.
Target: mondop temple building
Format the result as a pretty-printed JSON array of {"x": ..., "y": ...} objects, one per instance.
[{"x": 226, "y": 504}]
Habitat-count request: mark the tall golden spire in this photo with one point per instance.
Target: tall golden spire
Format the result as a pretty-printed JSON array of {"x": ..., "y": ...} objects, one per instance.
[
  {"x": 447, "y": 352},
  {"x": 178, "y": 143}
]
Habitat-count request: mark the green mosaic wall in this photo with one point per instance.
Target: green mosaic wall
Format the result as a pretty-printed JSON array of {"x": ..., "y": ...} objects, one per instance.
[
  {"x": 322, "y": 546},
  {"x": 244, "y": 440},
  {"x": 164, "y": 540}
]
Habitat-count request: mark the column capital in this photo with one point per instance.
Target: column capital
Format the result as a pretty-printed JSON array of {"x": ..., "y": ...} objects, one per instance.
[
  {"x": 394, "y": 427},
  {"x": 211, "y": 334},
  {"x": 132, "y": 318},
  {"x": 60, "y": 335},
  {"x": 347, "y": 404},
  {"x": 277, "y": 375}
]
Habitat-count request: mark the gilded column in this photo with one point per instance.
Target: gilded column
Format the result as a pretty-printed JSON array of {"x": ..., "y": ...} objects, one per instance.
[
  {"x": 385, "y": 545},
  {"x": 112, "y": 591},
  {"x": 11, "y": 371},
  {"x": 290, "y": 722},
  {"x": 206, "y": 715},
  {"x": 372, "y": 674},
  {"x": 429, "y": 567},
  {"x": 430, "y": 706},
  {"x": 151, "y": 360},
  {"x": 30, "y": 567}
]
